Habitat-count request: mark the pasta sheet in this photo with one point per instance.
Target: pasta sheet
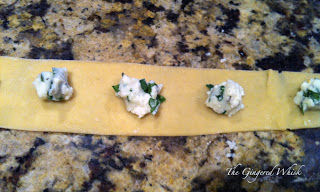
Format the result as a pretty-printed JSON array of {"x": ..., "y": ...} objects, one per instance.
[{"x": 94, "y": 108}]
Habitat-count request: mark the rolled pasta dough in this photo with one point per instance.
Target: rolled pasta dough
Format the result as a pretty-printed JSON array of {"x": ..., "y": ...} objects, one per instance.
[{"x": 94, "y": 109}]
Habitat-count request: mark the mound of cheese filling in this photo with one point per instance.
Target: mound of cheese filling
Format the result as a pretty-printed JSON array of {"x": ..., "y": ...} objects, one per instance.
[
  {"x": 53, "y": 85},
  {"x": 308, "y": 97},
  {"x": 139, "y": 96},
  {"x": 226, "y": 98}
]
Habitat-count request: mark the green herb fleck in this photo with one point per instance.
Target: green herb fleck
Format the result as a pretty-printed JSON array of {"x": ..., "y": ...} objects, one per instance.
[
  {"x": 161, "y": 98},
  {"x": 50, "y": 97},
  {"x": 220, "y": 97},
  {"x": 116, "y": 88},
  {"x": 312, "y": 95},
  {"x": 53, "y": 71},
  {"x": 154, "y": 103},
  {"x": 41, "y": 77},
  {"x": 122, "y": 74},
  {"x": 224, "y": 113},
  {"x": 301, "y": 107},
  {"x": 128, "y": 99},
  {"x": 210, "y": 86},
  {"x": 144, "y": 85},
  {"x": 150, "y": 87}
]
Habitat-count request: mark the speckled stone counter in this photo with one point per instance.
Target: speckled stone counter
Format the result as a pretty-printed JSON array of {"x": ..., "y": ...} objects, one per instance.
[{"x": 247, "y": 35}]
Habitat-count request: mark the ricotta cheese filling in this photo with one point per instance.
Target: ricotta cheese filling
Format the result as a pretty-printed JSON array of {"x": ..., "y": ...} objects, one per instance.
[
  {"x": 53, "y": 85},
  {"x": 225, "y": 98},
  {"x": 308, "y": 98},
  {"x": 139, "y": 96}
]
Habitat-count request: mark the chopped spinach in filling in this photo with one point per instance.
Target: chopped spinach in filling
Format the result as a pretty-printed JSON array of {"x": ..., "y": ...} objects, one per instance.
[
  {"x": 141, "y": 97},
  {"x": 308, "y": 98},
  {"x": 225, "y": 98},
  {"x": 53, "y": 85}
]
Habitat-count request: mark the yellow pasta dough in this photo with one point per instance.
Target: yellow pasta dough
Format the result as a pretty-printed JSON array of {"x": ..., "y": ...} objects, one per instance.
[{"x": 94, "y": 108}]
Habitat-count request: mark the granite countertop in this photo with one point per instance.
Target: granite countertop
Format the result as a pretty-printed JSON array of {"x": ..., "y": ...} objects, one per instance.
[{"x": 247, "y": 35}]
